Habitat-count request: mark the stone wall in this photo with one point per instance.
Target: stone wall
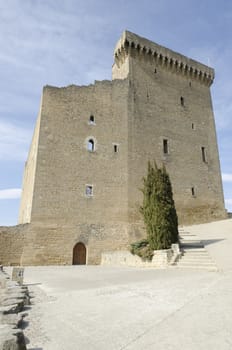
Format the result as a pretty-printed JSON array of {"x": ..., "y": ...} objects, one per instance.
[
  {"x": 52, "y": 244},
  {"x": 161, "y": 258},
  {"x": 13, "y": 299},
  {"x": 29, "y": 177},
  {"x": 12, "y": 240},
  {"x": 170, "y": 100}
]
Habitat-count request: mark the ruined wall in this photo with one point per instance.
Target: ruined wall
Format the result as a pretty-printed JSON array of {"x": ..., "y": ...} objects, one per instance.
[{"x": 62, "y": 214}]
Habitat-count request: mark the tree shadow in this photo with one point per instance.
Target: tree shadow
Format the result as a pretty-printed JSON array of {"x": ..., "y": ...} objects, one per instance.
[{"x": 206, "y": 242}]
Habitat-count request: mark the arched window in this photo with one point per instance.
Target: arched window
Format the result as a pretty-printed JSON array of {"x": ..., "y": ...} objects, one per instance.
[
  {"x": 91, "y": 119},
  {"x": 90, "y": 145}
]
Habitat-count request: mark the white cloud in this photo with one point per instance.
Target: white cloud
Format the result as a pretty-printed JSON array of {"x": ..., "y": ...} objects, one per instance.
[
  {"x": 10, "y": 193},
  {"x": 14, "y": 141},
  {"x": 227, "y": 177}
]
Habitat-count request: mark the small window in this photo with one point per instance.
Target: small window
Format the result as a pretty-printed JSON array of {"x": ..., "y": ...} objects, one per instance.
[
  {"x": 115, "y": 148},
  {"x": 155, "y": 71},
  {"x": 193, "y": 191},
  {"x": 91, "y": 120},
  {"x": 193, "y": 126},
  {"x": 165, "y": 146},
  {"x": 90, "y": 145},
  {"x": 89, "y": 190},
  {"x": 182, "y": 101},
  {"x": 203, "y": 154}
]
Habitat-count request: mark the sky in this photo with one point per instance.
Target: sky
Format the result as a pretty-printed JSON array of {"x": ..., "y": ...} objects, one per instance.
[{"x": 63, "y": 42}]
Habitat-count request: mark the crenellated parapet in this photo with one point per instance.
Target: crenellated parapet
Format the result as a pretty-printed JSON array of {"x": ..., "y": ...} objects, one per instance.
[{"x": 133, "y": 45}]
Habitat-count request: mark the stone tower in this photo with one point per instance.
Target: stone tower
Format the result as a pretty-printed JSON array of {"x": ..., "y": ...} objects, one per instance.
[{"x": 81, "y": 189}]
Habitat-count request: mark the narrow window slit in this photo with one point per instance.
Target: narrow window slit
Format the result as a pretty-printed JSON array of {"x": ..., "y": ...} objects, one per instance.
[
  {"x": 203, "y": 154},
  {"x": 165, "y": 146},
  {"x": 193, "y": 191}
]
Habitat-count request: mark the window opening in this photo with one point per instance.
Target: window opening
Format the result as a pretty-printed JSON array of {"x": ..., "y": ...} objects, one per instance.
[
  {"x": 91, "y": 119},
  {"x": 193, "y": 126},
  {"x": 89, "y": 190},
  {"x": 193, "y": 191},
  {"x": 203, "y": 153},
  {"x": 182, "y": 101},
  {"x": 165, "y": 146},
  {"x": 115, "y": 148},
  {"x": 90, "y": 145}
]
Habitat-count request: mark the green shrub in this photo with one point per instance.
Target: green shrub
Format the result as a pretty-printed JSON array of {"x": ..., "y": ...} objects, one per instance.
[
  {"x": 159, "y": 213},
  {"x": 158, "y": 209},
  {"x": 142, "y": 249}
]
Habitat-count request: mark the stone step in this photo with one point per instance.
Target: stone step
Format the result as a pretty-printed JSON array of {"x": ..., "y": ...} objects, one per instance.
[
  {"x": 192, "y": 258},
  {"x": 190, "y": 239},
  {"x": 193, "y": 249},
  {"x": 191, "y": 245},
  {"x": 195, "y": 254},
  {"x": 186, "y": 235},
  {"x": 202, "y": 260},
  {"x": 197, "y": 267}
]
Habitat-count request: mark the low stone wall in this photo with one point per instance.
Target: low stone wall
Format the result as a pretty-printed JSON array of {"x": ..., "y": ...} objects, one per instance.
[
  {"x": 161, "y": 258},
  {"x": 13, "y": 299}
]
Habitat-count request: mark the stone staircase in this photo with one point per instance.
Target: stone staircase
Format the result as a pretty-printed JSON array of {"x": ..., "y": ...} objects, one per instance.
[{"x": 193, "y": 253}]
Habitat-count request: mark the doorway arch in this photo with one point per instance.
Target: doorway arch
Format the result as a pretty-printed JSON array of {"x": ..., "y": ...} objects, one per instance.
[{"x": 79, "y": 254}]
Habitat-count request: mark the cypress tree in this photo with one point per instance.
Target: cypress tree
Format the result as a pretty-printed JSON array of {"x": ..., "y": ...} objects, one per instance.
[{"x": 158, "y": 209}]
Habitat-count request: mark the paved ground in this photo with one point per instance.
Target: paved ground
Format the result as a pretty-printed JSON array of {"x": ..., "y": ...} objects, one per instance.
[{"x": 98, "y": 308}]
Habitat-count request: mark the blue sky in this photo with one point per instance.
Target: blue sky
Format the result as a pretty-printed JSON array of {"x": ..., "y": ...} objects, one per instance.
[{"x": 62, "y": 42}]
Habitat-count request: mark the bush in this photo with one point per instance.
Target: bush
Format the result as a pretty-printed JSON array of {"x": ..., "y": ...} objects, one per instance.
[
  {"x": 158, "y": 212},
  {"x": 142, "y": 249},
  {"x": 158, "y": 209}
]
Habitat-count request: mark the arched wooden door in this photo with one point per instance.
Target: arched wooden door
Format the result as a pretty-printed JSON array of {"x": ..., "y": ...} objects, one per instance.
[{"x": 79, "y": 254}]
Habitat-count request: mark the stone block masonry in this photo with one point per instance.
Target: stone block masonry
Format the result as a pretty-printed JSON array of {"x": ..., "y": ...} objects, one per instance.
[
  {"x": 13, "y": 299},
  {"x": 90, "y": 151}
]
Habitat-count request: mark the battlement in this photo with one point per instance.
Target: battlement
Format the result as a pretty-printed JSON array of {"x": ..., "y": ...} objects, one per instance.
[{"x": 133, "y": 45}]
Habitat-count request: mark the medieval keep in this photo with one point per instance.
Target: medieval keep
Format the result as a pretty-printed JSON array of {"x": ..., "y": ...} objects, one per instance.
[{"x": 90, "y": 149}]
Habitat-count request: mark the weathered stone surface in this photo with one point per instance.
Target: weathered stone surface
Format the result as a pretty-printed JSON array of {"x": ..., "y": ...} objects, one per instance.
[
  {"x": 11, "y": 339},
  {"x": 161, "y": 258},
  {"x": 18, "y": 304},
  {"x": 10, "y": 319},
  {"x": 17, "y": 275},
  {"x": 12, "y": 300}
]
